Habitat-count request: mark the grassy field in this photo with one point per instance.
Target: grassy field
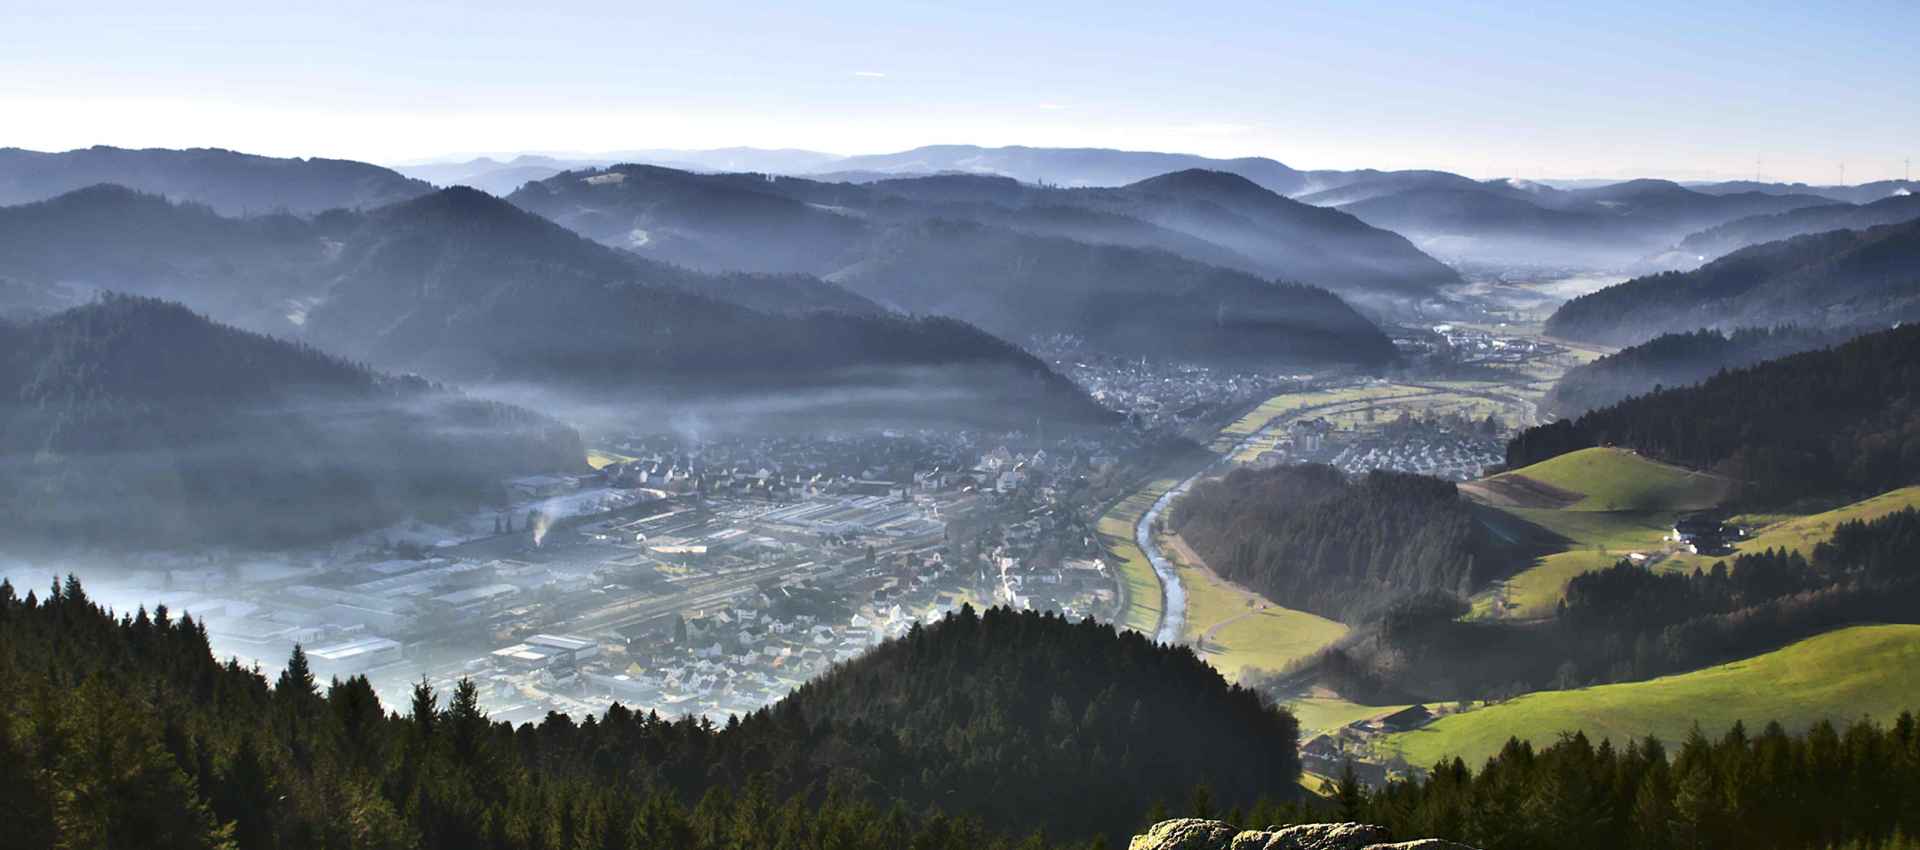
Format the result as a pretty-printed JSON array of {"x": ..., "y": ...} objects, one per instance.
[
  {"x": 1604, "y": 479},
  {"x": 1596, "y": 506},
  {"x": 598, "y": 458},
  {"x": 1288, "y": 403},
  {"x": 1145, "y": 600},
  {"x": 1594, "y": 540},
  {"x": 1313, "y": 783},
  {"x": 1248, "y": 631},
  {"x": 1802, "y": 533},
  {"x": 1325, "y": 714},
  {"x": 1841, "y": 675},
  {"x": 1363, "y": 408}
]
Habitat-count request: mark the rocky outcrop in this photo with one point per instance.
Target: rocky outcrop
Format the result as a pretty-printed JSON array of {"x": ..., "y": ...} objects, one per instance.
[
  {"x": 1185, "y": 834},
  {"x": 1197, "y": 834}
]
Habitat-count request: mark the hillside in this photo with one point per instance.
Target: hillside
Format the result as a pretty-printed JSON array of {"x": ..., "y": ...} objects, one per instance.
[
  {"x": 698, "y": 221},
  {"x": 976, "y": 727},
  {"x": 460, "y": 285},
  {"x": 466, "y": 285},
  {"x": 1838, "y": 677},
  {"x": 1601, "y": 479},
  {"x": 139, "y": 416},
  {"x": 1581, "y": 512},
  {"x": 1677, "y": 360},
  {"x": 1833, "y": 423},
  {"x": 1753, "y": 230},
  {"x": 110, "y": 238},
  {"x": 231, "y": 183},
  {"x": 1826, "y": 280},
  {"x": 1291, "y": 240},
  {"x": 1307, "y": 537},
  {"x": 1117, "y": 298},
  {"x": 1474, "y": 223},
  {"x": 731, "y": 221},
  {"x": 1507, "y": 222}
]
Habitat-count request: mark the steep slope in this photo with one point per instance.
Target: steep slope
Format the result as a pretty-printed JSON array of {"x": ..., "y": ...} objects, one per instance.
[
  {"x": 979, "y": 726},
  {"x": 231, "y": 183},
  {"x": 465, "y": 285},
  {"x": 458, "y": 284},
  {"x": 1677, "y": 360},
  {"x": 1119, "y": 298},
  {"x": 1834, "y": 422},
  {"x": 140, "y": 416},
  {"x": 1292, "y": 241},
  {"x": 248, "y": 271},
  {"x": 1123, "y": 267},
  {"x": 1753, "y": 230},
  {"x": 1066, "y": 166},
  {"x": 696, "y": 220},
  {"x": 1476, "y": 224},
  {"x": 1836, "y": 279}
]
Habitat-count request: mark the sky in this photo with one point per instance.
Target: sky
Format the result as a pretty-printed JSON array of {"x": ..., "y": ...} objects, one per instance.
[{"x": 1698, "y": 90}]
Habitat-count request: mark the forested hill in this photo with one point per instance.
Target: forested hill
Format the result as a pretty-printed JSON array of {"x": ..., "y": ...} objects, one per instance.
[
  {"x": 965, "y": 731},
  {"x": 1843, "y": 421},
  {"x": 229, "y": 182},
  {"x": 1835, "y": 279},
  {"x": 1118, "y": 298},
  {"x": 1309, "y": 537},
  {"x": 135, "y": 421},
  {"x": 462, "y": 286},
  {"x": 1677, "y": 360},
  {"x": 1734, "y": 235},
  {"x": 762, "y": 223}
]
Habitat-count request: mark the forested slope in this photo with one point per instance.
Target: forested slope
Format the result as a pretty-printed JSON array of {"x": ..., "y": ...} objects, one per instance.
[{"x": 123, "y": 729}]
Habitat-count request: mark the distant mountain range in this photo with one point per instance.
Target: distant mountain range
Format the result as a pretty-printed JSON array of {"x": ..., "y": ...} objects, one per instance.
[
  {"x": 1753, "y": 230},
  {"x": 1835, "y": 279},
  {"x": 1514, "y": 222},
  {"x": 132, "y": 420},
  {"x": 793, "y": 224},
  {"x": 231, "y": 183},
  {"x": 463, "y": 286}
]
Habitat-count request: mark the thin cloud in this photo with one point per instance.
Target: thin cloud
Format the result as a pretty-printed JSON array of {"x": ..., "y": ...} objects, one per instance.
[
  {"x": 1053, "y": 107},
  {"x": 872, "y": 75}
]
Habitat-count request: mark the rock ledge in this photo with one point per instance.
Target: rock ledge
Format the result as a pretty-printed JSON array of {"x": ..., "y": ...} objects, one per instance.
[{"x": 1197, "y": 834}]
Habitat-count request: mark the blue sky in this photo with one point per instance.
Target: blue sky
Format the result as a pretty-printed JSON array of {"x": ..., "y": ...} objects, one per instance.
[{"x": 1686, "y": 90}]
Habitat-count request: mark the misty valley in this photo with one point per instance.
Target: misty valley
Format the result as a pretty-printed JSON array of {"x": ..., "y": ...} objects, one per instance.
[{"x": 959, "y": 497}]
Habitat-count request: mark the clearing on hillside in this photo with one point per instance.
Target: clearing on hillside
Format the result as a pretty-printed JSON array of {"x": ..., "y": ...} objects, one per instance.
[
  {"x": 1802, "y": 533},
  {"x": 1839, "y": 676},
  {"x": 1602, "y": 479}
]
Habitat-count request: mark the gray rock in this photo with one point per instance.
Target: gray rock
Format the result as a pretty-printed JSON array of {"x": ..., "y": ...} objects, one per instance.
[
  {"x": 1194, "y": 834},
  {"x": 1327, "y": 836},
  {"x": 1185, "y": 834}
]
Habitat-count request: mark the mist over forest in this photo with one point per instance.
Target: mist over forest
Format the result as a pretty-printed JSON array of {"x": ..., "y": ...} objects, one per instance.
[{"x": 644, "y": 493}]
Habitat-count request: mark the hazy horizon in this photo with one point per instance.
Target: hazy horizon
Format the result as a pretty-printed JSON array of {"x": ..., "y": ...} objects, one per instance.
[{"x": 1618, "y": 90}]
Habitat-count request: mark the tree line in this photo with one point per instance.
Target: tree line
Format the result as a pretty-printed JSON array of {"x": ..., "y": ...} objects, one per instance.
[
  {"x": 1678, "y": 360},
  {"x": 1000, "y": 729},
  {"x": 1310, "y": 537},
  {"x": 1824, "y": 788},
  {"x": 1630, "y": 623},
  {"x": 1842, "y": 422}
]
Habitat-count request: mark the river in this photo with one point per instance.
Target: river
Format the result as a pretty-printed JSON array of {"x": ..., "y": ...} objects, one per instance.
[{"x": 1173, "y": 608}]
